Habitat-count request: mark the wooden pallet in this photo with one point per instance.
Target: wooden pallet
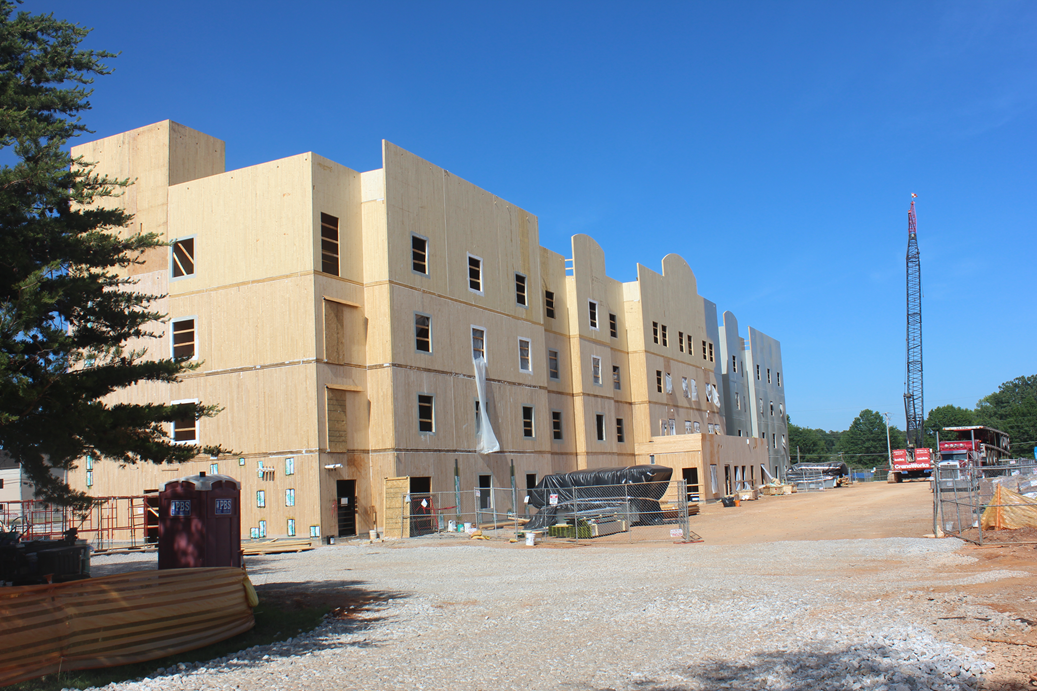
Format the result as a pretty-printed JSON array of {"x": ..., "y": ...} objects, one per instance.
[{"x": 276, "y": 546}]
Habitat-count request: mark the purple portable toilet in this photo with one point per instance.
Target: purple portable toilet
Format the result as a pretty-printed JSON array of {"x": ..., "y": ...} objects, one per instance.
[{"x": 199, "y": 522}]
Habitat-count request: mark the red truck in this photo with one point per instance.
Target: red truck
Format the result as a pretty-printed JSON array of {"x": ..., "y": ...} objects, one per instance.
[
  {"x": 905, "y": 465},
  {"x": 981, "y": 445}
]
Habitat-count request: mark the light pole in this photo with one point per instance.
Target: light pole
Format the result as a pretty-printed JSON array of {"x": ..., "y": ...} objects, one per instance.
[{"x": 889, "y": 451}]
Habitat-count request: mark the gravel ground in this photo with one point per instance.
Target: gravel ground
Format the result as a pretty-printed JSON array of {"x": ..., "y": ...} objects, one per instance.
[{"x": 842, "y": 614}]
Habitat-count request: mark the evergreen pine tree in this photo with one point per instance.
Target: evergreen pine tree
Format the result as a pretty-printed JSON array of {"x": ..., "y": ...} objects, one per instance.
[{"x": 67, "y": 311}]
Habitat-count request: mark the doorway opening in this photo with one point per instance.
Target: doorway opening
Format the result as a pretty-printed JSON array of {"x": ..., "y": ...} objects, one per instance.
[{"x": 345, "y": 492}]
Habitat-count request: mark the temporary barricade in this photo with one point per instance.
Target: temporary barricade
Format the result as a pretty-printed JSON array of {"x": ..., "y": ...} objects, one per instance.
[
  {"x": 121, "y": 619},
  {"x": 986, "y": 503}
]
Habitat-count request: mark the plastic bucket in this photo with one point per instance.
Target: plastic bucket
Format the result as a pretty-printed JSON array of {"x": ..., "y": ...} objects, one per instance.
[
  {"x": 531, "y": 539},
  {"x": 468, "y": 527}
]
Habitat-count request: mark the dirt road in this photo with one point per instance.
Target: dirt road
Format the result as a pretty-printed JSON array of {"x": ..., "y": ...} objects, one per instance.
[{"x": 866, "y": 510}]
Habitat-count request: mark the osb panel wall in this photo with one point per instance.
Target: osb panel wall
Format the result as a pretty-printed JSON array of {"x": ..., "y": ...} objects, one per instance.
[
  {"x": 152, "y": 157},
  {"x": 280, "y": 325},
  {"x": 261, "y": 216}
]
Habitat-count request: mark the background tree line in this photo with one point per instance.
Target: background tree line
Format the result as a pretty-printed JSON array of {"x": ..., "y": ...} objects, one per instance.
[{"x": 1012, "y": 409}]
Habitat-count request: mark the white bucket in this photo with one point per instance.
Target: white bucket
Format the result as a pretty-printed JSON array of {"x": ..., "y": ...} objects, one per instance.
[
  {"x": 531, "y": 539},
  {"x": 373, "y": 535},
  {"x": 451, "y": 526},
  {"x": 468, "y": 528}
]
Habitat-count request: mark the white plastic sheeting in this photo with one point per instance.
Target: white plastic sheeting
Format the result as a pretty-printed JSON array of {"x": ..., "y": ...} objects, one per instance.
[
  {"x": 485, "y": 439},
  {"x": 694, "y": 390}
]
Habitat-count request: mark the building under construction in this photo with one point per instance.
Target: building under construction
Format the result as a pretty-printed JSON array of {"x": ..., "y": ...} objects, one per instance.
[{"x": 402, "y": 322}]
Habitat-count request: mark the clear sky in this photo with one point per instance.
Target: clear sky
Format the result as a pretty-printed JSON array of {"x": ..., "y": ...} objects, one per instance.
[{"x": 774, "y": 145}]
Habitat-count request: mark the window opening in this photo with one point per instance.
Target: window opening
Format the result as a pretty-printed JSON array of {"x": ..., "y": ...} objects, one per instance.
[
  {"x": 616, "y": 384},
  {"x": 768, "y": 375},
  {"x": 552, "y": 365},
  {"x": 556, "y": 426},
  {"x": 711, "y": 352},
  {"x": 619, "y": 430},
  {"x": 734, "y": 363},
  {"x": 423, "y": 333},
  {"x": 599, "y": 421},
  {"x": 524, "y": 363},
  {"x": 669, "y": 383},
  {"x": 659, "y": 380},
  {"x": 183, "y": 258},
  {"x": 592, "y": 310},
  {"x": 596, "y": 370},
  {"x": 185, "y": 430},
  {"x": 183, "y": 338},
  {"x": 419, "y": 254},
  {"x": 613, "y": 326},
  {"x": 520, "y": 289},
  {"x": 549, "y": 304},
  {"x": 289, "y": 497},
  {"x": 655, "y": 332},
  {"x": 329, "y": 244},
  {"x": 426, "y": 421},
  {"x": 680, "y": 340},
  {"x": 527, "y": 421},
  {"x": 703, "y": 350},
  {"x": 474, "y": 274},
  {"x": 662, "y": 331},
  {"x": 478, "y": 343}
]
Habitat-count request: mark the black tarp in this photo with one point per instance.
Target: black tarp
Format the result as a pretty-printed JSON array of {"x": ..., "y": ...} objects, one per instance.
[{"x": 601, "y": 489}]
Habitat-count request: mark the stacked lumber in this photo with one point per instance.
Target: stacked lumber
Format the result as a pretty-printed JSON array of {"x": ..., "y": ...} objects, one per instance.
[{"x": 275, "y": 546}]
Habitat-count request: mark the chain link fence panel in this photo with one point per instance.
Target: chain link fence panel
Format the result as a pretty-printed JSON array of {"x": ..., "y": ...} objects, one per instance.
[
  {"x": 635, "y": 512},
  {"x": 989, "y": 504}
]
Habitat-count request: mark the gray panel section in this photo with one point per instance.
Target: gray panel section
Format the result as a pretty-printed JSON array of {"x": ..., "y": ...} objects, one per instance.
[
  {"x": 767, "y": 392},
  {"x": 733, "y": 375}
]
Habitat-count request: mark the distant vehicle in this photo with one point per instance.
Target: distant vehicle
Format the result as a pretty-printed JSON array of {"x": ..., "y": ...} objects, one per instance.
[
  {"x": 908, "y": 464},
  {"x": 981, "y": 445}
]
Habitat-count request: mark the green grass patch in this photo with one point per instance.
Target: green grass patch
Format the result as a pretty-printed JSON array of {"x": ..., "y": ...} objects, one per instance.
[{"x": 274, "y": 622}]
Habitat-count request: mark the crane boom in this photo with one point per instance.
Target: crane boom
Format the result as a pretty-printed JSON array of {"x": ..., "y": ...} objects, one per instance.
[{"x": 913, "y": 402}]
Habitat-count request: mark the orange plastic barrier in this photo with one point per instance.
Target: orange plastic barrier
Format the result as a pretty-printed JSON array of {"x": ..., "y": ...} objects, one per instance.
[
  {"x": 117, "y": 620},
  {"x": 1009, "y": 511}
]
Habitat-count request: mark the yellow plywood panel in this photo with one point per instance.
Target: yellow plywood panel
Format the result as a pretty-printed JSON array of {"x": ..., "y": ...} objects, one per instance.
[
  {"x": 338, "y": 422},
  {"x": 397, "y": 511}
]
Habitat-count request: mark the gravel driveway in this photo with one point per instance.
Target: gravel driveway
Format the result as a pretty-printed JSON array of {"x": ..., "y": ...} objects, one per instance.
[{"x": 841, "y": 614}]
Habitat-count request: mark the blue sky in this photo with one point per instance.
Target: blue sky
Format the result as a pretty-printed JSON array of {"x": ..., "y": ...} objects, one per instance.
[{"x": 773, "y": 145}]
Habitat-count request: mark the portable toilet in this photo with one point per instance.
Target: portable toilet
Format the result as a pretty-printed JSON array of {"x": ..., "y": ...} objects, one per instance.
[{"x": 199, "y": 522}]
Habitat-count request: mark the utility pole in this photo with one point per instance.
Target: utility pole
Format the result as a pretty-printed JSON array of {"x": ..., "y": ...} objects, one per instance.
[{"x": 889, "y": 450}]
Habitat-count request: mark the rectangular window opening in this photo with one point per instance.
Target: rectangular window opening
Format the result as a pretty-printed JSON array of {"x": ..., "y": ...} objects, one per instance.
[
  {"x": 419, "y": 254},
  {"x": 596, "y": 370},
  {"x": 619, "y": 430},
  {"x": 478, "y": 343},
  {"x": 474, "y": 274},
  {"x": 599, "y": 421},
  {"x": 524, "y": 362},
  {"x": 662, "y": 329},
  {"x": 592, "y": 311},
  {"x": 659, "y": 380},
  {"x": 183, "y": 258},
  {"x": 549, "y": 304},
  {"x": 527, "y": 421},
  {"x": 711, "y": 352},
  {"x": 556, "y": 425},
  {"x": 329, "y": 245},
  {"x": 520, "y": 290},
  {"x": 703, "y": 350},
  {"x": 426, "y": 419},
  {"x": 613, "y": 326},
  {"x": 552, "y": 365},
  {"x": 655, "y": 332},
  {"x": 680, "y": 340},
  {"x": 183, "y": 339},
  {"x": 616, "y": 384},
  {"x": 423, "y": 333}
]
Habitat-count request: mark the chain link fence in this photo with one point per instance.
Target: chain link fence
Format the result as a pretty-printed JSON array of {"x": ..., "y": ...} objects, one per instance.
[
  {"x": 988, "y": 504},
  {"x": 633, "y": 512}
]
